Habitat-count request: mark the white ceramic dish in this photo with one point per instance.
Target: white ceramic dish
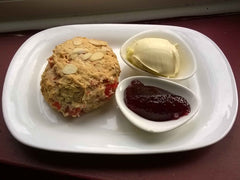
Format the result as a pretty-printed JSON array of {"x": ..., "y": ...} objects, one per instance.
[
  {"x": 106, "y": 131},
  {"x": 153, "y": 126},
  {"x": 187, "y": 58}
]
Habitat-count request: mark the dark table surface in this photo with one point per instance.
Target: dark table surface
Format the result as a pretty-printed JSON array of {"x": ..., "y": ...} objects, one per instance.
[{"x": 218, "y": 161}]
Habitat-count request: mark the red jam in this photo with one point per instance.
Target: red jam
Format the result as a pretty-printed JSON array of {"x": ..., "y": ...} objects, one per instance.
[{"x": 154, "y": 103}]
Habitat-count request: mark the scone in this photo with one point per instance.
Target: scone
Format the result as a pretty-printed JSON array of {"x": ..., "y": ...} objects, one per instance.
[{"x": 81, "y": 75}]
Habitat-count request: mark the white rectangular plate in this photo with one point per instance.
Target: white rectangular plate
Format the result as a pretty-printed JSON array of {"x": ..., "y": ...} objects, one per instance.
[{"x": 106, "y": 131}]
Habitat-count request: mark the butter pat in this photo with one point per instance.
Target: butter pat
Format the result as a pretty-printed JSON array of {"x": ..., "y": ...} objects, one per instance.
[{"x": 155, "y": 55}]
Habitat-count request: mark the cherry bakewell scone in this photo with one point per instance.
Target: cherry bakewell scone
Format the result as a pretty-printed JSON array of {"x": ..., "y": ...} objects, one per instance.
[{"x": 81, "y": 75}]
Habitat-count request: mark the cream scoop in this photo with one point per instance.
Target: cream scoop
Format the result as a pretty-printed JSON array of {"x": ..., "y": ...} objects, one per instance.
[{"x": 155, "y": 55}]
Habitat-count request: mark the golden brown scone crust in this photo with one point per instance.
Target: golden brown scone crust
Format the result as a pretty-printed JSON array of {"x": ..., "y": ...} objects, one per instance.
[{"x": 81, "y": 75}]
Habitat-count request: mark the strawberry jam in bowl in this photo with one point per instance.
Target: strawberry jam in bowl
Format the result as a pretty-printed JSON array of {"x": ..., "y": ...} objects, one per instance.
[{"x": 156, "y": 105}]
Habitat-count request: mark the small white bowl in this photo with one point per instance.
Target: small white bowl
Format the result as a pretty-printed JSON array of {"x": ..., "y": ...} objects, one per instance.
[
  {"x": 187, "y": 58},
  {"x": 153, "y": 126}
]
